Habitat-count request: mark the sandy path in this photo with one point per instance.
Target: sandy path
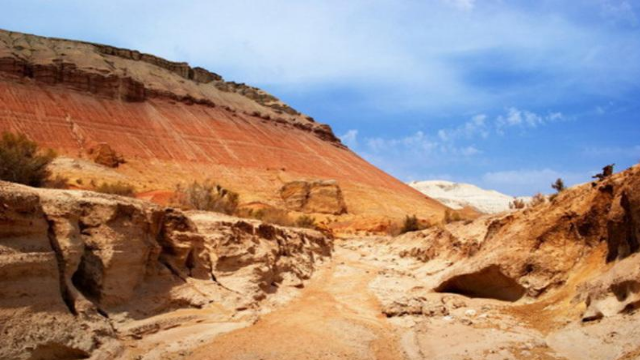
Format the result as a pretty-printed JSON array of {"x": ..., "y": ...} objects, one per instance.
[{"x": 335, "y": 317}]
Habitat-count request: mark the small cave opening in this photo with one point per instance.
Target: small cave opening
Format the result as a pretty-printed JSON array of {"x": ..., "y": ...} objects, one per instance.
[
  {"x": 88, "y": 277},
  {"x": 488, "y": 283},
  {"x": 53, "y": 350}
]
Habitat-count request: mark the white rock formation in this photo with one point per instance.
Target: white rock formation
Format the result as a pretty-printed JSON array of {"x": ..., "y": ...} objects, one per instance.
[{"x": 459, "y": 195}]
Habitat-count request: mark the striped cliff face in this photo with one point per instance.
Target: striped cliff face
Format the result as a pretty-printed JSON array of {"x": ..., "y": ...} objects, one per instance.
[{"x": 172, "y": 124}]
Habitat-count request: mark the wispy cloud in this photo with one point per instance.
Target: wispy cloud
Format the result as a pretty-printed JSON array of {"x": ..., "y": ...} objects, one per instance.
[
  {"x": 619, "y": 11},
  {"x": 459, "y": 141},
  {"x": 416, "y": 142},
  {"x": 466, "y": 5},
  {"x": 515, "y": 117},
  {"x": 401, "y": 54},
  {"x": 477, "y": 126},
  {"x": 523, "y": 182},
  {"x": 350, "y": 138}
]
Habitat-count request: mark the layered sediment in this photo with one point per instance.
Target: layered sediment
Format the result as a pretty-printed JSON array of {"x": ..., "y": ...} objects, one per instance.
[
  {"x": 172, "y": 123},
  {"x": 79, "y": 268}
]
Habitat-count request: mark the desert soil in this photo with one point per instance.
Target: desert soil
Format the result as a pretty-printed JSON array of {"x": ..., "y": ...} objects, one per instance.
[
  {"x": 335, "y": 317},
  {"x": 340, "y": 314}
]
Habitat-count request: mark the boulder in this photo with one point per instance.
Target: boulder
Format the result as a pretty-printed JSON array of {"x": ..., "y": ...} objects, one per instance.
[
  {"x": 320, "y": 196},
  {"x": 104, "y": 154}
]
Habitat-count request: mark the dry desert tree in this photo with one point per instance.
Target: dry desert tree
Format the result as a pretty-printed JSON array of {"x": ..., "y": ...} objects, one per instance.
[{"x": 22, "y": 161}]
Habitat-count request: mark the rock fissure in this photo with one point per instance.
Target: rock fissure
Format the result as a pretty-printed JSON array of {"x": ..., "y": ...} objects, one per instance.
[{"x": 65, "y": 292}]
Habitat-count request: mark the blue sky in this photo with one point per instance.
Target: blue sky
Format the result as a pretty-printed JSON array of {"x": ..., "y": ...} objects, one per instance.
[{"x": 507, "y": 95}]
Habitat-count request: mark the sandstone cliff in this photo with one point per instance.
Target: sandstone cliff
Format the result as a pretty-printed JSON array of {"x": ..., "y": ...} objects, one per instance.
[
  {"x": 557, "y": 280},
  {"x": 532, "y": 252},
  {"x": 171, "y": 123},
  {"x": 80, "y": 272}
]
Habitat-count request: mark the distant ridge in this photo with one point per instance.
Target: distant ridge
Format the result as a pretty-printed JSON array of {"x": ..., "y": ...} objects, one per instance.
[{"x": 460, "y": 195}]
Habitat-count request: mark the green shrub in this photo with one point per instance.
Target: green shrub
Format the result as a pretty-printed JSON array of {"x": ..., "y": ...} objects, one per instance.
[
  {"x": 119, "y": 188},
  {"x": 606, "y": 172},
  {"x": 411, "y": 223},
  {"x": 558, "y": 185},
  {"x": 517, "y": 204},
  {"x": 537, "y": 199},
  {"x": 206, "y": 196},
  {"x": 306, "y": 221},
  {"x": 21, "y": 161}
]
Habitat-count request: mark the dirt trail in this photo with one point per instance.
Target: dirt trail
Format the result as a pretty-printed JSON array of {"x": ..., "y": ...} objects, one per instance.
[{"x": 335, "y": 317}]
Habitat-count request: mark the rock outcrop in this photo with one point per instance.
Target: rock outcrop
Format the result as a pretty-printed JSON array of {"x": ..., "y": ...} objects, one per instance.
[
  {"x": 324, "y": 197},
  {"x": 617, "y": 291},
  {"x": 104, "y": 154},
  {"x": 459, "y": 195},
  {"x": 77, "y": 266},
  {"x": 535, "y": 251},
  {"x": 558, "y": 280},
  {"x": 173, "y": 124}
]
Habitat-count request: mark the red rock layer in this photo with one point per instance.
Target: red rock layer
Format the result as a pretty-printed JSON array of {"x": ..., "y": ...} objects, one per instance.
[{"x": 165, "y": 142}]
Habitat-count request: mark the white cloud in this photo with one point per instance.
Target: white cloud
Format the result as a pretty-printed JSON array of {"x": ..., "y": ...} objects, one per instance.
[
  {"x": 418, "y": 147},
  {"x": 350, "y": 138},
  {"x": 469, "y": 151},
  {"x": 401, "y": 54},
  {"x": 417, "y": 142},
  {"x": 619, "y": 12},
  {"x": 475, "y": 127},
  {"x": 524, "y": 119}
]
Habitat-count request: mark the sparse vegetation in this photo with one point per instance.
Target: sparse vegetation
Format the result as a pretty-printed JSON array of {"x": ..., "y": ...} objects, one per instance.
[
  {"x": 517, "y": 204},
  {"x": 22, "y": 161},
  {"x": 206, "y": 196},
  {"x": 57, "y": 182},
  {"x": 558, "y": 185},
  {"x": 410, "y": 224},
  {"x": 537, "y": 199},
  {"x": 606, "y": 172},
  {"x": 118, "y": 188},
  {"x": 305, "y": 221},
  {"x": 451, "y": 216}
]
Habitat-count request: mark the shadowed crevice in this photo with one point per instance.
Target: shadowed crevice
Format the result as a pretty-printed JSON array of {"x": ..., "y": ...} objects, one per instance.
[{"x": 488, "y": 283}]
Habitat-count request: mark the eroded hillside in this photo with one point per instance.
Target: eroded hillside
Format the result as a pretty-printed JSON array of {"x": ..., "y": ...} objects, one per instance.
[
  {"x": 168, "y": 123},
  {"x": 83, "y": 273}
]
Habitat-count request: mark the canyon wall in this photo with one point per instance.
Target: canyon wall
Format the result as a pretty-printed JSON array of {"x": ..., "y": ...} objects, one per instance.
[
  {"x": 78, "y": 268},
  {"x": 578, "y": 251}
]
